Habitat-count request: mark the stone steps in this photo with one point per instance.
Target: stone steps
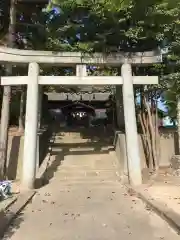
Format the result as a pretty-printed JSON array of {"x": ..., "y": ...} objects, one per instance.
[
  {"x": 87, "y": 183},
  {"x": 82, "y": 149},
  {"x": 95, "y": 180},
  {"x": 86, "y": 174},
  {"x": 83, "y": 162},
  {"x": 81, "y": 173},
  {"x": 77, "y": 169}
]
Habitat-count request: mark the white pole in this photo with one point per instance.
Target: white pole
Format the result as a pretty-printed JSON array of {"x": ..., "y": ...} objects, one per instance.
[
  {"x": 81, "y": 70},
  {"x": 31, "y": 125},
  {"x": 132, "y": 145}
]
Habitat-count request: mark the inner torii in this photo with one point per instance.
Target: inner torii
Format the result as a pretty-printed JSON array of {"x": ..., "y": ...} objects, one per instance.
[{"x": 33, "y": 80}]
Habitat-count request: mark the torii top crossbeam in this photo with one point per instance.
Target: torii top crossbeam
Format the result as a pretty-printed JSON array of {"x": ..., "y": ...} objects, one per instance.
[{"x": 18, "y": 56}]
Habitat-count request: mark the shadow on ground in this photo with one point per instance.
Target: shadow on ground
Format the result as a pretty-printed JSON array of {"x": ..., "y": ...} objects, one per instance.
[{"x": 6, "y": 231}]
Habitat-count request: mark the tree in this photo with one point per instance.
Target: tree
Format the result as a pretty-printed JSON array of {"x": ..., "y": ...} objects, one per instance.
[
  {"x": 4, "y": 18},
  {"x": 6, "y": 96},
  {"x": 96, "y": 26}
]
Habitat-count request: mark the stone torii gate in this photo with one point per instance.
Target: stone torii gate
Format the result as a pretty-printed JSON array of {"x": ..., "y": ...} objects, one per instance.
[{"x": 33, "y": 80}]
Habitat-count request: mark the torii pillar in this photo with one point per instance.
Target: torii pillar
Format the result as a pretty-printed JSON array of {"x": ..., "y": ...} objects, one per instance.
[
  {"x": 132, "y": 145},
  {"x": 31, "y": 127}
]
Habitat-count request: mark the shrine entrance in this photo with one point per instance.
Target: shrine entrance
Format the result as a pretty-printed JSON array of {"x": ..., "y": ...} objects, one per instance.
[
  {"x": 34, "y": 80},
  {"x": 78, "y": 114},
  {"x": 86, "y": 109}
]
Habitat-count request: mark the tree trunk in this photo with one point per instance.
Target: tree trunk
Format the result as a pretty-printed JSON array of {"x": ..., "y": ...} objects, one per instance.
[
  {"x": 152, "y": 132},
  {"x": 157, "y": 136},
  {"x": 178, "y": 121},
  {"x": 6, "y": 97},
  {"x": 146, "y": 140}
]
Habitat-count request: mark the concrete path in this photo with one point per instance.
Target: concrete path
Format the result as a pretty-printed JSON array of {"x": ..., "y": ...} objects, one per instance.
[{"x": 85, "y": 200}]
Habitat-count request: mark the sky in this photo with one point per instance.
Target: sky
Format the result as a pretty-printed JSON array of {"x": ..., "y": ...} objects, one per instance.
[{"x": 162, "y": 106}]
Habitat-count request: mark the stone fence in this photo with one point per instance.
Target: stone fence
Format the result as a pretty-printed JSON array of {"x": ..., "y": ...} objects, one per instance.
[
  {"x": 168, "y": 148},
  {"x": 15, "y": 152}
]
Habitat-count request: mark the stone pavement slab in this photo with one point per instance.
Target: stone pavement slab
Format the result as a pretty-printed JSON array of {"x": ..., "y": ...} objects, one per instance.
[
  {"x": 168, "y": 195},
  {"x": 9, "y": 213},
  {"x": 162, "y": 194},
  {"x": 89, "y": 213}
]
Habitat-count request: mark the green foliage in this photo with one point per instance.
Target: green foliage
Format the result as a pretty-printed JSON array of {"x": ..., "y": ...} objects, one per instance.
[
  {"x": 4, "y": 16},
  {"x": 172, "y": 93},
  {"x": 106, "y": 26}
]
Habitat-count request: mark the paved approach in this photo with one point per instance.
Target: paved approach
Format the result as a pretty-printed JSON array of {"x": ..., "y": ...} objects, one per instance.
[{"x": 85, "y": 200}]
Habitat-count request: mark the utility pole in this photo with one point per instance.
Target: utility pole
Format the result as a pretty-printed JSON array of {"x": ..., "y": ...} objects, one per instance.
[{"x": 5, "y": 109}]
